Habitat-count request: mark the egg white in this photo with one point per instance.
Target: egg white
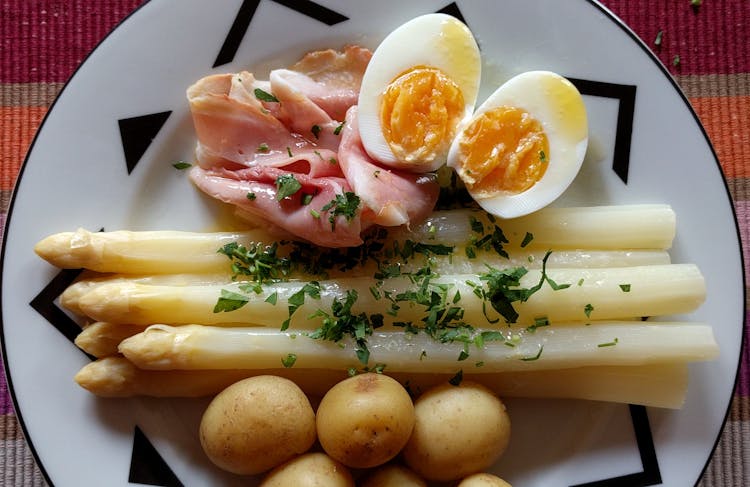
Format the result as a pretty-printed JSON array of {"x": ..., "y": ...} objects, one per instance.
[
  {"x": 558, "y": 106},
  {"x": 434, "y": 40}
]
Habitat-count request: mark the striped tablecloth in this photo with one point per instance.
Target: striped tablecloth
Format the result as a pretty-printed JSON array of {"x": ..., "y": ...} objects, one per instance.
[{"x": 706, "y": 48}]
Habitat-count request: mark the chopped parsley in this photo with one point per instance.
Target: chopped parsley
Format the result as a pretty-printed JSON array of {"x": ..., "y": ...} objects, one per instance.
[
  {"x": 181, "y": 165},
  {"x": 588, "y": 309},
  {"x": 258, "y": 261},
  {"x": 306, "y": 199},
  {"x": 542, "y": 156},
  {"x": 289, "y": 152},
  {"x": 311, "y": 289},
  {"x": 338, "y": 128},
  {"x": 457, "y": 379},
  {"x": 289, "y": 360},
  {"x": 659, "y": 36},
  {"x": 535, "y": 357},
  {"x": 265, "y": 96},
  {"x": 625, "y": 288},
  {"x": 609, "y": 344},
  {"x": 251, "y": 196},
  {"x": 286, "y": 185},
  {"x": 345, "y": 205},
  {"x": 315, "y": 129},
  {"x": 263, "y": 148},
  {"x": 341, "y": 322},
  {"x": 676, "y": 60},
  {"x": 230, "y": 301},
  {"x": 272, "y": 298},
  {"x": 527, "y": 239}
]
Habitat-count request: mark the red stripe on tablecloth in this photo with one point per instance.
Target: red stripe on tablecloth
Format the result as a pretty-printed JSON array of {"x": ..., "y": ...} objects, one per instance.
[
  {"x": 698, "y": 36},
  {"x": 38, "y": 43},
  {"x": 16, "y": 132},
  {"x": 726, "y": 119}
]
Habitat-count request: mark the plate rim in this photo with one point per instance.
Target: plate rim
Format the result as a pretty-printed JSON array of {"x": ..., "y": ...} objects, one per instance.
[{"x": 609, "y": 14}]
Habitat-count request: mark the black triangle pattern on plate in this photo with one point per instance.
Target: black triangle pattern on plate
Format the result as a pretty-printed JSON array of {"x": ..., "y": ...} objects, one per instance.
[
  {"x": 137, "y": 133},
  {"x": 147, "y": 466},
  {"x": 44, "y": 304},
  {"x": 247, "y": 12},
  {"x": 452, "y": 9},
  {"x": 625, "y": 94},
  {"x": 651, "y": 475}
]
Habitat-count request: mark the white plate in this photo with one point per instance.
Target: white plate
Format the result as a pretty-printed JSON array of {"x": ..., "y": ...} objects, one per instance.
[{"x": 76, "y": 175}]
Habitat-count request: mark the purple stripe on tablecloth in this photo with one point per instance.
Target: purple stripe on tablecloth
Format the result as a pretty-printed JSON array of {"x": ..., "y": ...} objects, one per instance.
[
  {"x": 6, "y": 406},
  {"x": 743, "y": 381}
]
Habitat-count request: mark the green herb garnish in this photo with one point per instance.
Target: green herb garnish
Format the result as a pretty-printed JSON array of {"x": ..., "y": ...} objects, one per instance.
[
  {"x": 588, "y": 309},
  {"x": 345, "y": 205},
  {"x": 181, "y": 165},
  {"x": 338, "y": 128},
  {"x": 527, "y": 239},
  {"x": 609, "y": 344},
  {"x": 264, "y": 96},
  {"x": 457, "y": 379},
  {"x": 315, "y": 129},
  {"x": 289, "y": 360},
  {"x": 286, "y": 185},
  {"x": 625, "y": 288},
  {"x": 230, "y": 301},
  {"x": 535, "y": 357}
]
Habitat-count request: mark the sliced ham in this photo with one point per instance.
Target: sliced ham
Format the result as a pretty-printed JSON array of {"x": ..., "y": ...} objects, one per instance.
[
  {"x": 331, "y": 79},
  {"x": 395, "y": 197},
  {"x": 306, "y": 220},
  {"x": 294, "y": 125}
]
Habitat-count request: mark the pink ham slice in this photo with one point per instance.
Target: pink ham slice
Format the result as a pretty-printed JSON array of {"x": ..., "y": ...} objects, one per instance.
[
  {"x": 245, "y": 143},
  {"x": 331, "y": 79},
  {"x": 395, "y": 197},
  {"x": 291, "y": 213}
]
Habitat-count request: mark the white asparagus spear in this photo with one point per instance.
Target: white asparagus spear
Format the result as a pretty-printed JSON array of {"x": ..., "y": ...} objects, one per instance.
[
  {"x": 593, "y": 294},
  {"x": 101, "y": 339},
  {"x": 163, "y": 347},
  {"x": 603, "y": 227},
  {"x": 142, "y": 252},
  {"x": 608, "y": 227},
  {"x": 184, "y": 252},
  {"x": 662, "y": 385}
]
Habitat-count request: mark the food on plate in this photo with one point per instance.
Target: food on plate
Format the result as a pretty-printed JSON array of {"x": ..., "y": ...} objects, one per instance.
[
  {"x": 256, "y": 424},
  {"x": 365, "y": 421},
  {"x": 309, "y": 470},
  {"x": 524, "y": 145},
  {"x": 420, "y": 85},
  {"x": 393, "y": 475},
  {"x": 483, "y": 480},
  {"x": 459, "y": 430},
  {"x": 661, "y": 385},
  {"x": 347, "y": 283}
]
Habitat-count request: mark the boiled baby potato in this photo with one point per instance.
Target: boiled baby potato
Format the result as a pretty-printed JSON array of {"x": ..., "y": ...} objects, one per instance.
[
  {"x": 257, "y": 424},
  {"x": 309, "y": 470},
  {"x": 365, "y": 420},
  {"x": 483, "y": 480},
  {"x": 459, "y": 430},
  {"x": 393, "y": 476}
]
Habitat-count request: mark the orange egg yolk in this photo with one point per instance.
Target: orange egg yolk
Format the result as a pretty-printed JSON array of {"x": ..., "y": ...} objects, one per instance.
[
  {"x": 419, "y": 113},
  {"x": 504, "y": 149}
]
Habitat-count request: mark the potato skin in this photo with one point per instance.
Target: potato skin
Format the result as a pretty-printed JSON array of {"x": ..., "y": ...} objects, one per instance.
[
  {"x": 256, "y": 424},
  {"x": 309, "y": 470},
  {"x": 483, "y": 480},
  {"x": 393, "y": 476},
  {"x": 459, "y": 430},
  {"x": 365, "y": 420}
]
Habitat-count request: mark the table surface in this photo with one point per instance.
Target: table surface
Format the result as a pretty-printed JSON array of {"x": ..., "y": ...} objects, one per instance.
[{"x": 43, "y": 41}]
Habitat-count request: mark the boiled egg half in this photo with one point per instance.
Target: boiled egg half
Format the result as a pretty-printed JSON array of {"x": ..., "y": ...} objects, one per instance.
[
  {"x": 419, "y": 86},
  {"x": 524, "y": 145}
]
